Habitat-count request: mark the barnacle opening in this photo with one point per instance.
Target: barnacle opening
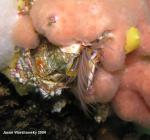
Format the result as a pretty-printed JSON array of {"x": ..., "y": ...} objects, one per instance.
[{"x": 89, "y": 63}]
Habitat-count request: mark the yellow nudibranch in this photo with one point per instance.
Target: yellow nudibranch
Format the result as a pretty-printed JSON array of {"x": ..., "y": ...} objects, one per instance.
[{"x": 132, "y": 40}]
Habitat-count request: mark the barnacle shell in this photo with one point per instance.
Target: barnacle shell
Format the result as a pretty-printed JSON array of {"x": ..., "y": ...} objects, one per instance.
[{"x": 44, "y": 69}]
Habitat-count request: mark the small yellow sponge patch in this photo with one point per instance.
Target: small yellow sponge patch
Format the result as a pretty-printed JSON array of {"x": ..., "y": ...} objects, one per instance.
[
  {"x": 132, "y": 40},
  {"x": 21, "y": 4}
]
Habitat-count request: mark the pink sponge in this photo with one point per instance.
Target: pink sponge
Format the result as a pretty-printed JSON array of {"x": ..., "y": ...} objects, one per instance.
[{"x": 24, "y": 34}]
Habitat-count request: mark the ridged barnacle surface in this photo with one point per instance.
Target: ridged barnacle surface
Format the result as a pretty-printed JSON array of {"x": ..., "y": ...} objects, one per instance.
[{"x": 44, "y": 68}]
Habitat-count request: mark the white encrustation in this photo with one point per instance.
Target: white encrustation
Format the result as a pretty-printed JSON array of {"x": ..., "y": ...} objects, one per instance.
[{"x": 8, "y": 14}]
